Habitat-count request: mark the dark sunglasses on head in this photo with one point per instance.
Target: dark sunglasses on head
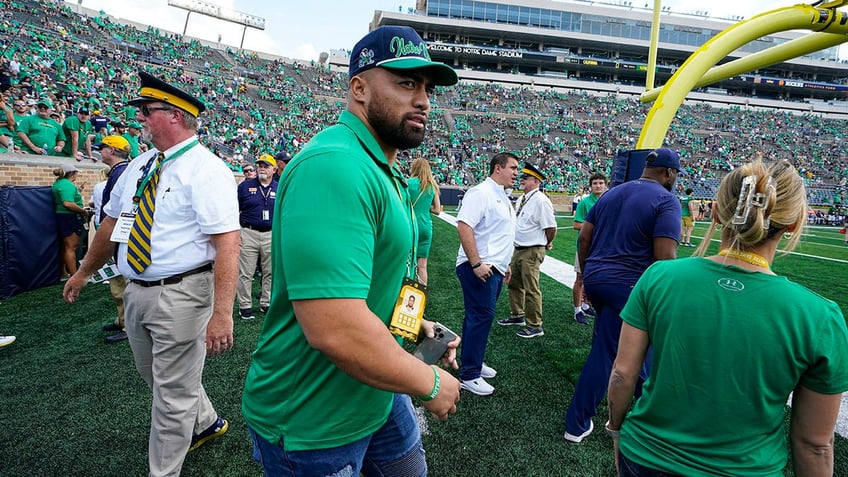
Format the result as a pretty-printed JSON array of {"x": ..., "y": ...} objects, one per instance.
[{"x": 148, "y": 110}]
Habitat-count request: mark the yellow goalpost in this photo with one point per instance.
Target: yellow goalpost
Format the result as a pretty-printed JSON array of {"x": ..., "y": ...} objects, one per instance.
[{"x": 829, "y": 27}]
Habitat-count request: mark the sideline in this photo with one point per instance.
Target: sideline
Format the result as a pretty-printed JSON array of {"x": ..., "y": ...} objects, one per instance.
[{"x": 564, "y": 273}]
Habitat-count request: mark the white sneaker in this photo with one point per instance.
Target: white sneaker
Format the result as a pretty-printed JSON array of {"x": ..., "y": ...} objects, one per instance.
[
  {"x": 487, "y": 372},
  {"x": 6, "y": 340},
  {"x": 578, "y": 439},
  {"x": 478, "y": 386}
]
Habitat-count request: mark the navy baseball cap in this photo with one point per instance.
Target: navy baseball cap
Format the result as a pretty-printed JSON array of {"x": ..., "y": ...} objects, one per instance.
[
  {"x": 397, "y": 48},
  {"x": 663, "y": 157}
]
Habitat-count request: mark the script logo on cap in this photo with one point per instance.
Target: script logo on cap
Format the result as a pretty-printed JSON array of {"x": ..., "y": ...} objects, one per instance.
[{"x": 400, "y": 47}]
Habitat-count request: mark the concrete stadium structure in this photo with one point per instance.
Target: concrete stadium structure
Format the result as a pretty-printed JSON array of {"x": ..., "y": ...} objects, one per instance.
[{"x": 603, "y": 47}]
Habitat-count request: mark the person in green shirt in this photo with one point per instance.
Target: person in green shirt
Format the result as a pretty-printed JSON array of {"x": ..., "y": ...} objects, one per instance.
[
  {"x": 40, "y": 134},
  {"x": 69, "y": 210},
  {"x": 424, "y": 193},
  {"x": 727, "y": 358},
  {"x": 343, "y": 241},
  {"x": 78, "y": 132},
  {"x": 132, "y": 135},
  {"x": 597, "y": 186}
]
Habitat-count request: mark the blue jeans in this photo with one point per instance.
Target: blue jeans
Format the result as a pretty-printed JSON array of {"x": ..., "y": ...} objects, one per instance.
[
  {"x": 608, "y": 301},
  {"x": 628, "y": 468},
  {"x": 394, "y": 450},
  {"x": 480, "y": 299}
]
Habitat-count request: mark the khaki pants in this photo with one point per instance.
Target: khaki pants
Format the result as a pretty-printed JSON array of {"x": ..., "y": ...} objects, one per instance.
[
  {"x": 254, "y": 245},
  {"x": 525, "y": 296},
  {"x": 166, "y": 326},
  {"x": 117, "y": 285}
]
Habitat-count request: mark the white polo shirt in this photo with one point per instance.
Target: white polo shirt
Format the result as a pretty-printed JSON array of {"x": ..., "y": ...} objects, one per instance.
[
  {"x": 487, "y": 210},
  {"x": 535, "y": 214},
  {"x": 195, "y": 198}
]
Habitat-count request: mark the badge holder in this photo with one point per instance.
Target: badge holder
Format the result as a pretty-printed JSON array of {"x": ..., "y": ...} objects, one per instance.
[{"x": 409, "y": 310}]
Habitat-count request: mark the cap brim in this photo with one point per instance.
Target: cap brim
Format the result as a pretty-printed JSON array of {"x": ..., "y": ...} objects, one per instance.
[
  {"x": 97, "y": 146},
  {"x": 443, "y": 75}
]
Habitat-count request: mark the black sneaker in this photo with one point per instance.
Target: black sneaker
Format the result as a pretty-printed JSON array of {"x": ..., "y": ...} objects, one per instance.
[
  {"x": 263, "y": 309},
  {"x": 246, "y": 314},
  {"x": 218, "y": 429},
  {"x": 589, "y": 311},
  {"x": 112, "y": 327},
  {"x": 116, "y": 337}
]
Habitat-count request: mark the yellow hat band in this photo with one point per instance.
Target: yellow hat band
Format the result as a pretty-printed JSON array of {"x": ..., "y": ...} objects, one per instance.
[
  {"x": 531, "y": 173},
  {"x": 158, "y": 94}
]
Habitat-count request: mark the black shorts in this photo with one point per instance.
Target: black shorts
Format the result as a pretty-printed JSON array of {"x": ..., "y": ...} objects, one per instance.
[{"x": 68, "y": 224}]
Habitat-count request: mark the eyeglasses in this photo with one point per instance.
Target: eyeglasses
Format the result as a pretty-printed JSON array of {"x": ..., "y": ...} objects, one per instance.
[
  {"x": 43, "y": 106},
  {"x": 19, "y": 105},
  {"x": 147, "y": 110},
  {"x": 248, "y": 170}
]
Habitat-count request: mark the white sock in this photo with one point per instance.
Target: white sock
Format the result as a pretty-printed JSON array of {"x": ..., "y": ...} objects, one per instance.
[{"x": 577, "y": 310}]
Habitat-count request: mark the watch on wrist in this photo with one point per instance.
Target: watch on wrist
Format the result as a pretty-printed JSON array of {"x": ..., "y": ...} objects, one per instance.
[{"x": 476, "y": 265}]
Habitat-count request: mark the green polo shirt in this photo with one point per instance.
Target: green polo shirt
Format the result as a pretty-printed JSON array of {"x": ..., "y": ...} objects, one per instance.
[
  {"x": 342, "y": 228},
  {"x": 584, "y": 206}
]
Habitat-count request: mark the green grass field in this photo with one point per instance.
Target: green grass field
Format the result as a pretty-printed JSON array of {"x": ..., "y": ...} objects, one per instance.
[{"x": 70, "y": 404}]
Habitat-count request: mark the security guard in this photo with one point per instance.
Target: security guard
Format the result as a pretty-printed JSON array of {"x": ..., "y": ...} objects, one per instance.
[
  {"x": 174, "y": 215},
  {"x": 256, "y": 199}
]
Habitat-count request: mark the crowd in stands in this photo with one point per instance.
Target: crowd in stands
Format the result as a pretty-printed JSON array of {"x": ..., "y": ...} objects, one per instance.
[{"x": 261, "y": 106}]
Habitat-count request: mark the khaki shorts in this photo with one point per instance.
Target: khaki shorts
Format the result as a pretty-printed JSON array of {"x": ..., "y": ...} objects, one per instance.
[{"x": 688, "y": 222}]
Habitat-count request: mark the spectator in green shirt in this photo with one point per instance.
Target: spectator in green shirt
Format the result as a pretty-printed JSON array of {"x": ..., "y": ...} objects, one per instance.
[{"x": 39, "y": 133}]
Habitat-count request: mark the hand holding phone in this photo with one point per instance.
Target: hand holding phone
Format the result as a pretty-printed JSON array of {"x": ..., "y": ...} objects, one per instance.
[{"x": 432, "y": 349}]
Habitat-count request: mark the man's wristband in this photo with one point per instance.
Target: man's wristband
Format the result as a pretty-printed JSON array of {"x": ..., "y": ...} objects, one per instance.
[
  {"x": 436, "y": 385},
  {"x": 476, "y": 264},
  {"x": 613, "y": 433}
]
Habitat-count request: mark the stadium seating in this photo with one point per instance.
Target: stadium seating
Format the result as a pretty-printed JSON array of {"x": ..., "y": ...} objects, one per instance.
[{"x": 263, "y": 105}]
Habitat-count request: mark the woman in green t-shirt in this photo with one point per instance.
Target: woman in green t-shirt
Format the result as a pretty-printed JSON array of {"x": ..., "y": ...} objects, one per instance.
[
  {"x": 424, "y": 194},
  {"x": 70, "y": 214},
  {"x": 731, "y": 342}
]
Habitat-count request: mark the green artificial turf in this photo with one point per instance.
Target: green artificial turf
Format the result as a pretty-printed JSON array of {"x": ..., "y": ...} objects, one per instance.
[{"x": 71, "y": 404}]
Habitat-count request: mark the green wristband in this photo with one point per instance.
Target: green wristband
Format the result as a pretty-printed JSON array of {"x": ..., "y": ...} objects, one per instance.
[{"x": 435, "y": 390}]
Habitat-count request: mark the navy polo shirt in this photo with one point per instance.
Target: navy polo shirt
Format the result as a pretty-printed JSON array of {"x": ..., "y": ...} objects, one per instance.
[{"x": 254, "y": 201}]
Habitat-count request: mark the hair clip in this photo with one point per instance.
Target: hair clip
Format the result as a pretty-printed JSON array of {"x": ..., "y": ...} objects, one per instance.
[{"x": 743, "y": 205}]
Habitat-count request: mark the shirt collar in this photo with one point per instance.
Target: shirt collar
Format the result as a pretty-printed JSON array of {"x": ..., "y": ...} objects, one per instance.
[{"x": 369, "y": 143}]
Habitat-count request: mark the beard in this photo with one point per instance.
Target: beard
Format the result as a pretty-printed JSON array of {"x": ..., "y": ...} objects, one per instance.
[
  {"x": 396, "y": 135},
  {"x": 146, "y": 136},
  {"x": 262, "y": 175}
]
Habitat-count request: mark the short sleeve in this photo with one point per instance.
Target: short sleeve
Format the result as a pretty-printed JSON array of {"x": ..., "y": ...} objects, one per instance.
[
  {"x": 828, "y": 373},
  {"x": 214, "y": 201},
  {"x": 325, "y": 225},
  {"x": 635, "y": 312},
  {"x": 471, "y": 212}
]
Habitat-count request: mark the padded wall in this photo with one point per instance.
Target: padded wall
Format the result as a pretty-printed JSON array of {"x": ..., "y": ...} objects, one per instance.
[{"x": 29, "y": 248}]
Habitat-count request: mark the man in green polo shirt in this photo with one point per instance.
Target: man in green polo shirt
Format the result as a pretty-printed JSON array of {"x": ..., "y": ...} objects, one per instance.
[
  {"x": 597, "y": 186},
  {"x": 328, "y": 382}
]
